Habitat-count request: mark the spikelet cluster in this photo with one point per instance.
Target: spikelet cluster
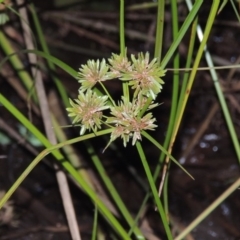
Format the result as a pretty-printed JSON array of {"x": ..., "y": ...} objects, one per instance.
[{"x": 126, "y": 118}]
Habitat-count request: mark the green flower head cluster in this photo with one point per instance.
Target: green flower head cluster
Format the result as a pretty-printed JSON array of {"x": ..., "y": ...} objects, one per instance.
[
  {"x": 127, "y": 118},
  {"x": 87, "y": 110}
]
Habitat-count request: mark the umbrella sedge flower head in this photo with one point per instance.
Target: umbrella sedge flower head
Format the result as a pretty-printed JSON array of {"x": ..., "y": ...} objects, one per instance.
[
  {"x": 119, "y": 64},
  {"x": 145, "y": 76},
  {"x": 127, "y": 119},
  {"x": 91, "y": 73},
  {"x": 87, "y": 110},
  {"x": 127, "y": 122}
]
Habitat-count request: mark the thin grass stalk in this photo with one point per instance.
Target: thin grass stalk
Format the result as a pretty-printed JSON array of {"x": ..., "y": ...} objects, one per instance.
[
  {"x": 68, "y": 69},
  {"x": 112, "y": 191},
  {"x": 26, "y": 22},
  {"x": 95, "y": 224},
  {"x": 167, "y": 138},
  {"x": 159, "y": 30},
  {"x": 107, "y": 93},
  {"x": 72, "y": 156},
  {"x": 71, "y": 71},
  {"x": 228, "y": 118},
  {"x": 56, "y": 60},
  {"x": 158, "y": 41},
  {"x": 192, "y": 75},
  {"x": 140, "y": 6},
  {"x": 75, "y": 161},
  {"x": 210, "y": 21},
  {"x": 77, "y": 177},
  {"x": 26, "y": 77},
  {"x": 68, "y": 167},
  {"x": 106, "y": 213},
  {"x": 175, "y": 92},
  {"x": 188, "y": 64},
  {"x": 183, "y": 89},
  {"x": 161, "y": 148},
  {"x": 50, "y": 148},
  {"x": 140, "y": 211},
  {"x": 224, "y": 2},
  {"x": 220, "y": 94},
  {"x": 156, "y": 172},
  {"x": 122, "y": 46},
  {"x": 44, "y": 107},
  {"x": 168, "y": 135},
  {"x": 122, "y": 29},
  {"x": 179, "y": 37},
  {"x": 22, "y": 119},
  {"x": 154, "y": 190},
  {"x": 189, "y": 19},
  {"x": 206, "y": 68},
  {"x": 235, "y": 10}
]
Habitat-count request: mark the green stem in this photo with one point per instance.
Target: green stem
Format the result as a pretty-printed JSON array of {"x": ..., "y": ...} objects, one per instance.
[
  {"x": 76, "y": 177},
  {"x": 161, "y": 148},
  {"x": 154, "y": 190},
  {"x": 196, "y": 64},
  {"x": 181, "y": 32},
  {"x": 188, "y": 64},
  {"x": 68, "y": 167},
  {"x": 179, "y": 36},
  {"x": 159, "y": 30},
  {"x": 236, "y": 11},
  {"x": 123, "y": 47},
  {"x": 95, "y": 224},
  {"x": 106, "y": 91},
  {"x": 220, "y": 94},
  {"x": 174, "y": 97},
  {"x": 122, "y": 33},
  {"x": 112, "y": 191}
]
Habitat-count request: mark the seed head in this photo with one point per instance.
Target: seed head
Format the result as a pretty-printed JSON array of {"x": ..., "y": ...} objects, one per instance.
[
  {"x": 119, "y": 64},
  {"x": 127, "y": 122},
  {"x": 145, "y": 77},
  {"x": 91, "y": 73},
  {"x": 87, "y": 110}
]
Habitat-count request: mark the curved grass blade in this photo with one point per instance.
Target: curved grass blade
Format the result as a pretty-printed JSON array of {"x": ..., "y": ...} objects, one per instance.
[{"x": 68, "y": 167}]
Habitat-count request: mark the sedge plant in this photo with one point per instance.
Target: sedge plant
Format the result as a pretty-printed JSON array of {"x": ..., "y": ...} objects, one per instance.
[{"x": 130, "y": 118}]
